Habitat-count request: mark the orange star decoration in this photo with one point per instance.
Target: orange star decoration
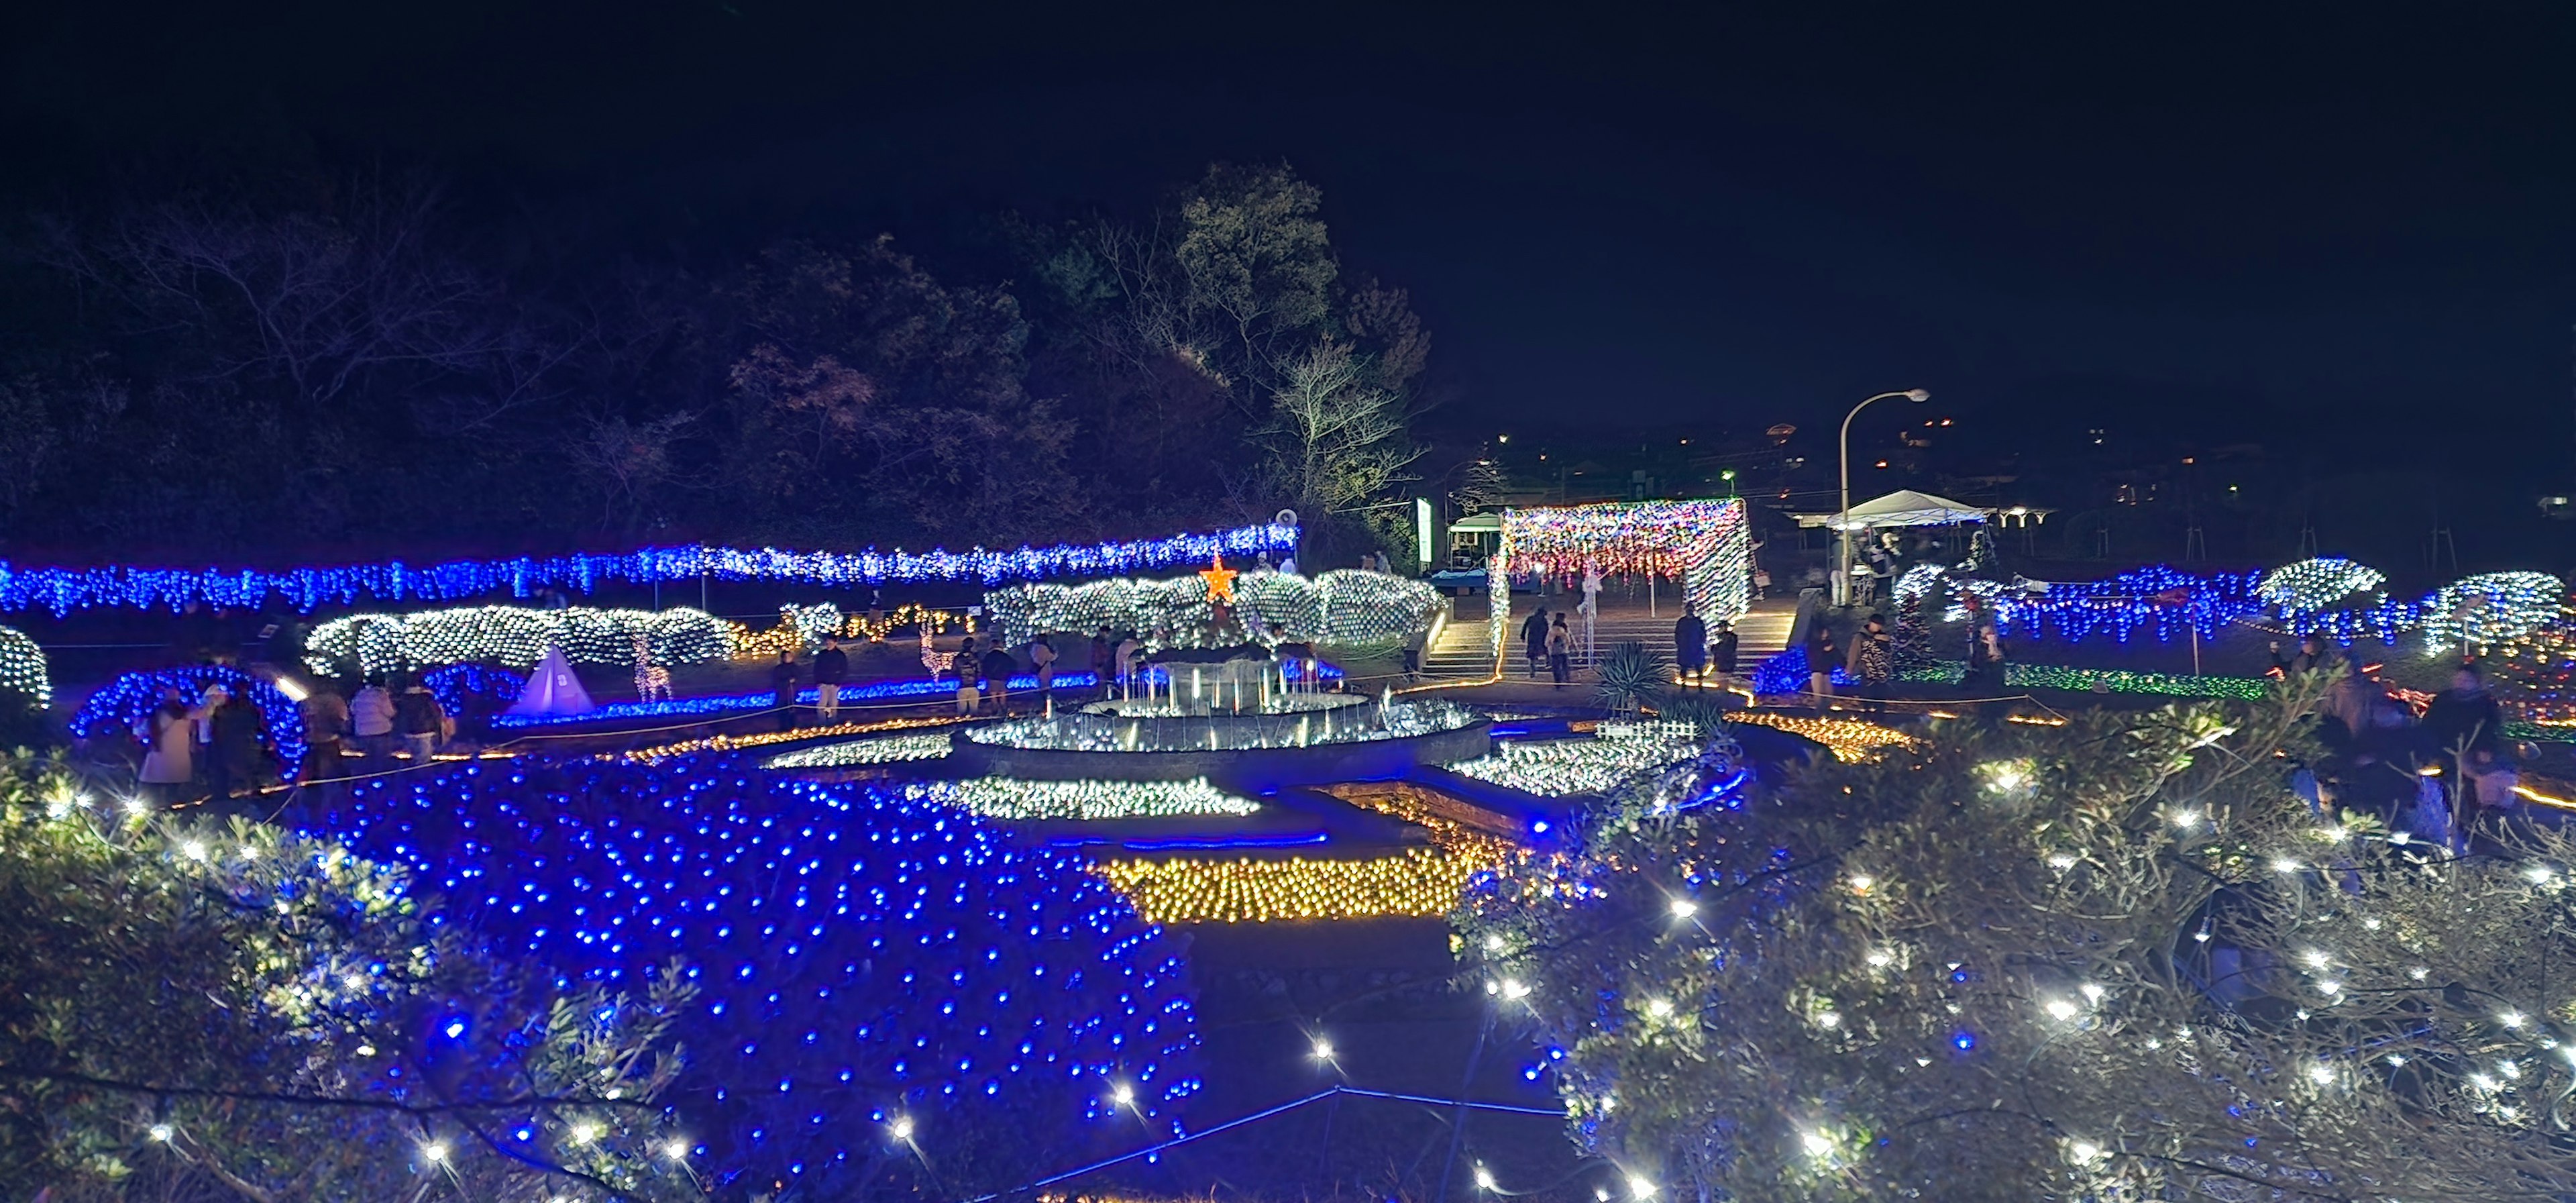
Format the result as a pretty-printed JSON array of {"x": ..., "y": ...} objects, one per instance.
[{"x": 1220, "y": 580}]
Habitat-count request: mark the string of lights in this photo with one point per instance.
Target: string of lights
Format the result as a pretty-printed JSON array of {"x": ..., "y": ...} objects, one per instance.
[
  {"x": 856, "y": 951},
  {"x": 891, "y": 749},
  {"x": 1343, "y": 606},
  {"x": 1419, "y": 882},
  {"x": 1849, "y": 739},
  {"x": 513, "y": 635},
  {"x": 725, "y": 703},
  {"x": 1007, "y": 798},
  {"x": 1705, "y": 544},
  {"x": 119, "y": 707},
  {"x": 1558, "y": 767},
  {"x": 63, "y": 590},
  {"x": 22, "y": 669},
  {"x": 725, "y": 742}
]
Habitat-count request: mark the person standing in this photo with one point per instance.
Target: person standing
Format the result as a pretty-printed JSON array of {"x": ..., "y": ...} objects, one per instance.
[
  {"x": 1873, "y": 660},
  {"x": 1985, "y": 677},
  {"x": 421, "y": 721},
  {"x": 1534, "y": 639},
  {"x": 1690, "y": 642},
  {"x": 1560, "y": 651},
  {"x": 371, "y": 719},
  {"x": 326, "y": 719},
  {"x": 2465, "y": 716},
  {"x": 831, "y": 667},
  {"x": 1822, "y": 652},
  {"x": 998, "y": 667},
  {"x": 1042, "y": 658},
  {"x": 235, "y": 731},
  {"x": 1126, "y": 660},
  {"x": 1722, "y": 650},
  {"x": 1104, "y": 661},
  {"x": 170, "y": 738},
  {"x": 782, "y": 686}
]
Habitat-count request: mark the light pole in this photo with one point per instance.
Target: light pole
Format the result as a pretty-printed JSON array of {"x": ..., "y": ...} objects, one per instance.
[{"x": 1842, "y": 520}]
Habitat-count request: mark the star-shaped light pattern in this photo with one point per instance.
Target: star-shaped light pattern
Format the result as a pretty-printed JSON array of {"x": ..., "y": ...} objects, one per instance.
[
  {"x": 1220, "y": 580},
  {"x": 857, "y": 953}
]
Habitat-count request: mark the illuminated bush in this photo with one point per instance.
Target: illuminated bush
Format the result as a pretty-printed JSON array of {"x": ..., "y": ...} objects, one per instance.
[{"x": 514, "y": 635}]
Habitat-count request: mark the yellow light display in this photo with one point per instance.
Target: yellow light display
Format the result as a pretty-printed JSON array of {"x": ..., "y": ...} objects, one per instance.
[
  {"x": 1420, "y": 883},
  {"x": 1849, "y": 739},
  {"x": 762, "y": 739}
]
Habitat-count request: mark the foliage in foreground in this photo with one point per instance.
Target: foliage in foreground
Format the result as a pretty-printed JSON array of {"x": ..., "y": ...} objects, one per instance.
[
  {"x": 196, "y": 1011},
  {"x": 2121, "y": 959}
]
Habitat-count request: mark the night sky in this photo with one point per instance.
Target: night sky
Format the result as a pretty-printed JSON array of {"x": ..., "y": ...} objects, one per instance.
[{"x": 2343, "y": 229}]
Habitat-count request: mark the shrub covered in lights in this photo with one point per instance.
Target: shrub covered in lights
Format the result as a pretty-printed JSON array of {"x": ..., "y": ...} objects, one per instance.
[
  {"x": 862, "y": 957},
  {"x": 1344, "y": 606},
  {"x": 118, "y": 707},
  {"x": 200, "y": 1011},
  {"x": 2316, "y": 585},
  {"x": 22, "y": 671},
  {"x": 2125, "y": 958},
  {"x": 1585, "y": 766},
  {"x": 513, "y": 635}
]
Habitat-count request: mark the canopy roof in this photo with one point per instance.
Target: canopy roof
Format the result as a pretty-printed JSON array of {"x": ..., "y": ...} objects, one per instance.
[
  {"x": 1493, "y": 522},
  {"x": 1904, "y": 507}
]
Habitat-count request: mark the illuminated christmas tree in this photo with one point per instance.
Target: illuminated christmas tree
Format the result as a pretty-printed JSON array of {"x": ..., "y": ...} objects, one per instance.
[{"x": 2127, "y": 958}]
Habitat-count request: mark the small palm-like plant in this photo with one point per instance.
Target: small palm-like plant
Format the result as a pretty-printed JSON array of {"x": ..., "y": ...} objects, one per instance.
[{"x": 1632, "y": 675}]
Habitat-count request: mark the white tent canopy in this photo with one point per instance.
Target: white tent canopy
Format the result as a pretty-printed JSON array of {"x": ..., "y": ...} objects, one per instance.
[{"x": 1904, "y": 507}]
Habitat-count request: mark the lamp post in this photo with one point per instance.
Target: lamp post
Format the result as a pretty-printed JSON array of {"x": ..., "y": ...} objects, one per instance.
[{"x": 1842, "y": 520}]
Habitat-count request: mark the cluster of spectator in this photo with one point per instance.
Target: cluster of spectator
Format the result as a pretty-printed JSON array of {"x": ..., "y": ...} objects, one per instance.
[{"x": 217, "y": 746}]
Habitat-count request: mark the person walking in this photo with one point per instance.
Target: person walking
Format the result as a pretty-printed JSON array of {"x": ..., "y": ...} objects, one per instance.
[
  {"x": 783, "y": 677},
  {"x": 371, "y": 720},
  {"x": 1822, "y": 653},
  {"x": 1873, "y": 661},
  {"x": 1534, "y": 638},
  {"x": 326, "y": 720},
  {"x": 1560, "y": 651},
  {"x": 1722, "y": 650},
  {"x": 998, "y": 667},
  {"x": 1042, "y": 658},
  {"x": 169, "y": 736},
  {"x": 420, "y": 720},
  {"x": 1690, "y": 642},
  {"x": 831, "y": 668}
]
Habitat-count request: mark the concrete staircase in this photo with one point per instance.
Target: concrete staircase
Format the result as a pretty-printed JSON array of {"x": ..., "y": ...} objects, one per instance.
[{"x": 1465, "y": 646}]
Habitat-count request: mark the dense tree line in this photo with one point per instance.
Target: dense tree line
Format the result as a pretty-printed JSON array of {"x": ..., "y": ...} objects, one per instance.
[{"x": 362, "y": 366}]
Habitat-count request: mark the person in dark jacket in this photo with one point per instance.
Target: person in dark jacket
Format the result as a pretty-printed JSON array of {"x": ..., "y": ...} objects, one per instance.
[
  {"x": 1104, "y": 660},
  {"x": 235, "y": 747},
  {"x": 783, "y": 678},
  {"x": 1722, "y": 649},
  {"x": 998, "y": 667},
  {"x": 420, "y": 720},
  {"x": 1822, "y": 655},
  {"x": 1985, "y": 677},
  {"x": 1690, "y": 641},
  {"x": 2463, "y": 716},
  {"x": 831, "y": 668},
  {"x": 1534, "y": 638}
]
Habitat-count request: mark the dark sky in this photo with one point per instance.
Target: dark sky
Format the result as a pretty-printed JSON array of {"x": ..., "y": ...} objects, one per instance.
[{"x": 2349, "y": 224}]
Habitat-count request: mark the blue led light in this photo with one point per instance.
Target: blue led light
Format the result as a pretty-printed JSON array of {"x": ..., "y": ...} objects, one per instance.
[
  {"x": 120, "y": 704},
  {"x": 861, "y": 949},
  {"x": 880, "y": 691},
  {"x": 62, "y": 590}
]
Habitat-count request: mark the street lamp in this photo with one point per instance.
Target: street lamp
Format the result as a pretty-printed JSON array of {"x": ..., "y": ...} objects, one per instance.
[{"x": 1842, "y": 563}]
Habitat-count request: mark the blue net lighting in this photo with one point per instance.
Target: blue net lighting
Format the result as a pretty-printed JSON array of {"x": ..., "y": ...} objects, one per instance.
[
  {"x": 63, "y": 590},
  {"x": 857, "y": 953}
]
